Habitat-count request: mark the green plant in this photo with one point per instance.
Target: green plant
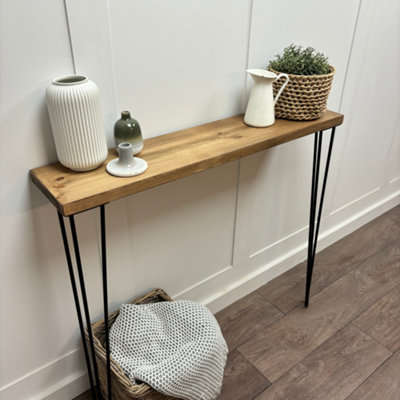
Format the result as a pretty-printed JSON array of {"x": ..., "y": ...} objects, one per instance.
[{"x": 298, "y": 61}]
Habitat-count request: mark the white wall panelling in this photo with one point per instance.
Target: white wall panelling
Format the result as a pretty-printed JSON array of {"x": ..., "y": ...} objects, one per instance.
[
  {"x": 214, "y": 236},
  {"x": 179, "y": 63},
  {"x": 91, "y": 44},
  {"x": 34, "y": 48},
  {"x": 372, "y": 119},
  {"x": 282, "y": 189},
  {"x": 178, "y": 235},
  {"x": 392, "y": 173}
]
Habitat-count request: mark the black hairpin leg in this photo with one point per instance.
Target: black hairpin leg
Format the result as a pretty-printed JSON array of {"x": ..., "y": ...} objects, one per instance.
[
  {"x": 315, "y": 223},
  {"x": 77, "y": 304},
  {"x": 76, "y": 299},
  {"x": 96, "y": 394},
  {"x": 105, "y": 296},
  {"x": 84, "y": 300}
]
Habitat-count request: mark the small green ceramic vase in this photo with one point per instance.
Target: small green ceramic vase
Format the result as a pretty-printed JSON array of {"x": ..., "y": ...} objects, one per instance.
[{"x": 127, "y": 130}]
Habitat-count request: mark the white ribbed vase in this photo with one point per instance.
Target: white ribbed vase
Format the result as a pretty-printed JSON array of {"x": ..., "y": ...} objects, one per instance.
[{"x": 77, "y": 122}]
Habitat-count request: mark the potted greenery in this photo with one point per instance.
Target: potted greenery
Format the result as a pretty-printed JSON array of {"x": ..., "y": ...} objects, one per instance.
[{"x": 306, "y": 94}]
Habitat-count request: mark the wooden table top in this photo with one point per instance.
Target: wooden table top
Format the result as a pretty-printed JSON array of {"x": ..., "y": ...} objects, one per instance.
[{"x": 170, "y": 157}]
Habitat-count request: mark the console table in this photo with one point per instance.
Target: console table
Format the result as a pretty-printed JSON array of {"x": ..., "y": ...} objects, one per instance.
[{"x": 170, "y": 157}]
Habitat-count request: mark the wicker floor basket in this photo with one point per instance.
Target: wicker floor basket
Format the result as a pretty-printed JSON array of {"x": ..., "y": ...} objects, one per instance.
[
  {"x": 304, "y": 97},
  {"x": 121, "y": 386}
]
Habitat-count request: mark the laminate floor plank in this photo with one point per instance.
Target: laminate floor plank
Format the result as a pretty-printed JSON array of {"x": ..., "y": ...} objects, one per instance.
[
  {"x": 281, "y": 346},
  {"x": 287, "y": 290},
  {"x": 395, "y": 213},
  {"x": 333, "y": 371},
  {"x": 246, "y": 317},
  {"x": 383, "y": 384},
  {"x": 84, "y": 396},
  {"x": 382, "y": 320},
  {"x": 242, "y": 381}
]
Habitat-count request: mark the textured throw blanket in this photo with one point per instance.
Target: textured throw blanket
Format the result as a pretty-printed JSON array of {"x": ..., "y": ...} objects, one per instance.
[{"x": 175, "y": 347}]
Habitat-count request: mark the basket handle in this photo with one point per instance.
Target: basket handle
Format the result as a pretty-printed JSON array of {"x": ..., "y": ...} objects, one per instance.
[{"x": 282, "y": 87}]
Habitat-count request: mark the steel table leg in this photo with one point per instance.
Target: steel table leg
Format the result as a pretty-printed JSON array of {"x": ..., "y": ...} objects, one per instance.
[
  {"x": 96, "y": 394},
  {"x": 77, "y": 304},
  {"x": 315, "y": 223},
  {"x": 84, "y": 300}
]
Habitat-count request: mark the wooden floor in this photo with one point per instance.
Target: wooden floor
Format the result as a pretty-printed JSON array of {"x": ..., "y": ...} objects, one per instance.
[{"x": 346, "y": 345}]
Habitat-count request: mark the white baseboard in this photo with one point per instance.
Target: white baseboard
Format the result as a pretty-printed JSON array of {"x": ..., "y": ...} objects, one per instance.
[
  {"x": 60, "y": 379},
  {"x": 68, "y": 388},
  {"x": 66, "y": 377}
]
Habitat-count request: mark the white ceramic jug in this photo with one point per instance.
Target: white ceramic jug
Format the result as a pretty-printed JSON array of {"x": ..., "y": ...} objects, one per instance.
[{"x": 260, "y": 111}]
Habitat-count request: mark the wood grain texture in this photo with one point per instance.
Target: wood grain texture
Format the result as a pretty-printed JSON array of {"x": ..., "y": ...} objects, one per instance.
[
  {"x": 287, "y": 291},
  {"x": 382, "y": 320},
  {"x": 293, "y": 337},
  {"x": 383, "y": 384},
  {"x": 170, "y": 157},
  {"x": 246, "y": 317},
  {"x": 333, "y": 371},
  {"x": 242, "y": 381}
]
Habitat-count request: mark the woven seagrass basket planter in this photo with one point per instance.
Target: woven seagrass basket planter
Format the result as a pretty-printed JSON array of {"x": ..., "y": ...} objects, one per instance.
[
  {"x": 304, "y": 97},
  {"x": 122, "y": 387}
]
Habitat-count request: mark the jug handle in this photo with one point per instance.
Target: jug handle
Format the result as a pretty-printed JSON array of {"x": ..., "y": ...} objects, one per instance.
[{"x": 282, "y": 87}]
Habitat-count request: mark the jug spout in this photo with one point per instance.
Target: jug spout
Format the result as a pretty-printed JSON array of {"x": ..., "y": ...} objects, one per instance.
[{"x": 261, "y": 73}]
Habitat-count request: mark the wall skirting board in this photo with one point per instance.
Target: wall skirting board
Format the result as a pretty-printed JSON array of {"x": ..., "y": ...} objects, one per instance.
[
  {"x": 67, "y": 375},
  {"x": 76, "y": 382}
]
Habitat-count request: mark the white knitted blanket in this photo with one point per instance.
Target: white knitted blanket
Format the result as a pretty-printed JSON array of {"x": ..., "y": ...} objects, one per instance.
[{"x": 175, "y": 347}]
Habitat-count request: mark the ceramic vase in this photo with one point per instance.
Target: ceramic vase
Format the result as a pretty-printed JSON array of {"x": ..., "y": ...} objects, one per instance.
[
  {"x": 77, "y": 122},
  {"x": 127, "y": 130}
]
